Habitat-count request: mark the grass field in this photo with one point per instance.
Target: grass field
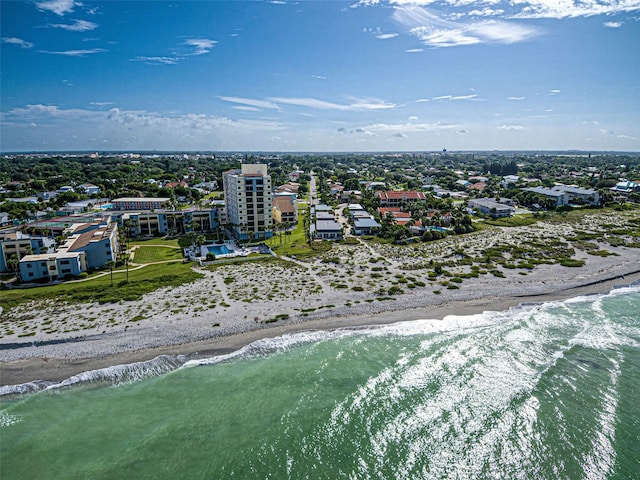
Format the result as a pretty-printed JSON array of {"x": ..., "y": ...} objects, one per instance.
[
  {"x": 99, "y": 289},
  {"x": 148, "y": 254}
]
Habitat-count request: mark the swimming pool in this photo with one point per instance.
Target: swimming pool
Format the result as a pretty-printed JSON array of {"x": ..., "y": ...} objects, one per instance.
[{"x": 219, "y": 249}]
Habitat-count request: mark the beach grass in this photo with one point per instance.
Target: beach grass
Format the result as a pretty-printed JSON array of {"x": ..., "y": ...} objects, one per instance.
[{"x": 99, "y": 289}]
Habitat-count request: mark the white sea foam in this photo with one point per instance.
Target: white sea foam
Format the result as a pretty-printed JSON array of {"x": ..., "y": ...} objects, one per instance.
[{"x": 115, "y": 375}]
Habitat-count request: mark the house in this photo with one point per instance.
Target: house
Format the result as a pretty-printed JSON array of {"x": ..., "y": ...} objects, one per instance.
[
  {"x": 509, "y": 179},
  {"x": 285, "y": 209},
  {"x": 5, "y": 219},
  {"x": 290, "y": 187},
  {"x": 326, "y": 230},
  {"x": 626, "y": 186},
  {"x": 488, "y": 206},
  {"x": 365, "y": 226},
  {"x": 392, "y": 198},
  {"x": 181, "y": 183},
  {"x": 479, "y": 187},
  {"x": 90, "y": 188}
]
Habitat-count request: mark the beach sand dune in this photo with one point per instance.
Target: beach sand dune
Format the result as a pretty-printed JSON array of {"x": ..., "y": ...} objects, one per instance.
[{"x": 351, "y": 285}]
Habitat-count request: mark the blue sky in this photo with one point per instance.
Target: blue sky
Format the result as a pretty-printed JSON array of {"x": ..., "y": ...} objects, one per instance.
[{"x": 370, "y": 75}]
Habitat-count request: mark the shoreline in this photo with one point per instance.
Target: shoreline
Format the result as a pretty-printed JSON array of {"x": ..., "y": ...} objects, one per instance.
[{"x": 35, "y": 368}]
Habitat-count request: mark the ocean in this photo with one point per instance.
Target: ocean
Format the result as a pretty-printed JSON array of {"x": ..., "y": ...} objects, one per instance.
[{"x": 549, "y": 391}]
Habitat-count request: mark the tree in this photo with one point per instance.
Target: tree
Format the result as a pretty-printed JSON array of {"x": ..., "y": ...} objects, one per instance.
[{"x": 110, "y": 264}]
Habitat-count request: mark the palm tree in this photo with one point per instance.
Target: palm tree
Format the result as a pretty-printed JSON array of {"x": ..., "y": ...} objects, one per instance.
[{"x": 110, "y": 264}]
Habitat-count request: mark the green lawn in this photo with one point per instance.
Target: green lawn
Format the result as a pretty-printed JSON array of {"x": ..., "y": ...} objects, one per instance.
[
  {"x": 168, "y": 242},
  {"x": 99, "y": 289},
  {"x": 148, "y": 254}
]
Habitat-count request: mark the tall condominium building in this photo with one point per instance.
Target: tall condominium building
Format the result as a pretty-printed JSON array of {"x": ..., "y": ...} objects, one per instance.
[{"x": 247, "y": 194}]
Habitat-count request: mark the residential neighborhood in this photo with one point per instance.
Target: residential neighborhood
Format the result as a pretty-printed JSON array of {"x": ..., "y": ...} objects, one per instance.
[{"x": 61, "y": 226}]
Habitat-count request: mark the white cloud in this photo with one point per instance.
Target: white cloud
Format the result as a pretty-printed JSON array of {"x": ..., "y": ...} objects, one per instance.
[
  {"x": 510, "y": 127},
  {"x": 357, "y": 104},
  {"x": 486, "y": 12},
  {"x": 385, "y": 36},
  {"x": 409, "y": 127},
  {"x": 319, "y": 77},
  {"x": 251, "y": 102},
  {"x": 435, "y": 31},
  {"x": 17, "y": 41},
  {"x": 412, "y": 118},
  {"x": 246, "y": 108},
  {"x": 59, "y": 7},
  {"x": 554, "y": 92},
  {"x": 414, "y": 50},
  {"x": 457, "y": 97},
  {"x": 516, "y": 98},
  {"x": 76, "y": 26},
  {"x": 101, "y": 104},
  {"x": 613, "y": 24},
  {"x": 202, "y": 45},
  {"x": 75, "y": 53},
  {"x": 574, "y": 8},
  {"x": 525, "y": 9},
  {"x": 156, "y": 60}
]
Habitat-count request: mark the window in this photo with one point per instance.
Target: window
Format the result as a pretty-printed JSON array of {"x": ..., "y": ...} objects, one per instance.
[
  {"x": 43, "y": 264},
  {"x": 29, "y": 265},
  {"x": 31, "y": 274},
  {"x": 64, "y": 262}
]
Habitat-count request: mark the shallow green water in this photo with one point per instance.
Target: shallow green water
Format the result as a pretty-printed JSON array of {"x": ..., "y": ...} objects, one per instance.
[{"x": 546, "y": 392}]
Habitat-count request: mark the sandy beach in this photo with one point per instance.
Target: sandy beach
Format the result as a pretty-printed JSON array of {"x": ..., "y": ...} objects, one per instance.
[{"x": 234, "y": 305}]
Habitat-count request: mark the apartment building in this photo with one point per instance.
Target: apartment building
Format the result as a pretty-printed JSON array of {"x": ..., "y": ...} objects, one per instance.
[{"x": 248, "y": 201}]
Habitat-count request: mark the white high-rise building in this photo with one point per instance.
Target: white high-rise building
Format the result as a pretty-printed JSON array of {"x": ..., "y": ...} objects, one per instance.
[{"x": 247, "y": 195}]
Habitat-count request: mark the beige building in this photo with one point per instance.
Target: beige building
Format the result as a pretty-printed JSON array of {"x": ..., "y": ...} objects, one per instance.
[{"x": 248, "y": 203}]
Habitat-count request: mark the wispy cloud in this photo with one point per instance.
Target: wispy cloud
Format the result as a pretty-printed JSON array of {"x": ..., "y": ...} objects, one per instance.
[
  {"x": 202, "y": 45},
  {"x": 17, "y": 41},
  {"x": 516, "y": 98},
  {"x": 76, "y": 26},
  {"x": 101, "y": 104},
  {"x": 246, "y": 108},
  {"x": 510, "y": 127},
  {"x": 574, "y": 8},
  {"x": 414, "y": 50},
  {"x": 59, "y": 7},
  {"x": 409, "y": 127},
  {"x": 457, "y": 97},
  {"x": 386, "y": 36},
  {"x": 356, "y": 104},
  {"x": 251, "y": 102},
  {"x": 197, "y": 46},
  {"x": 613, "y": 24},
  {"x": 517, "y": 8},
  {"x": 435, "y": 31},
  {"x": 75, "y": 53},
  {"x": 554, "y": 92}
]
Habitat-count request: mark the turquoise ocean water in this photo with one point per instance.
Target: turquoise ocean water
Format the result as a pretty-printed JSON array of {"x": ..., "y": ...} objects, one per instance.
[{"x": 540, "y": 392}]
